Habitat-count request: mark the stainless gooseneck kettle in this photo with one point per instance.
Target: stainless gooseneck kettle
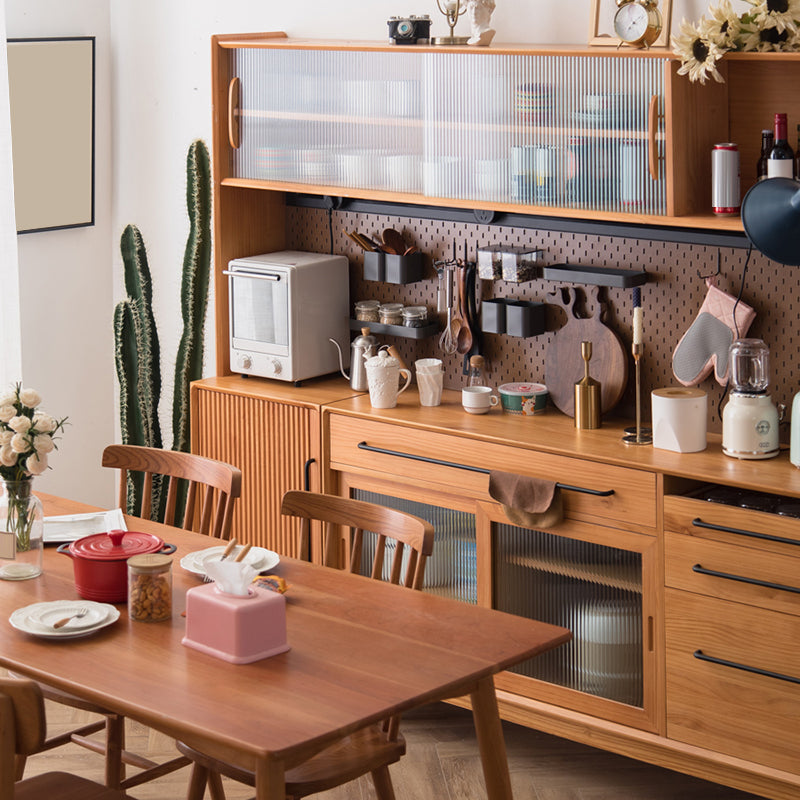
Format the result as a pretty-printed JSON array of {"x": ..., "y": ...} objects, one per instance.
[{"x": 363, "y": 347}]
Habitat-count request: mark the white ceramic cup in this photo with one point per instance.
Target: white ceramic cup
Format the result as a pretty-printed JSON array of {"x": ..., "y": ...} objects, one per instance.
[{"x": 478, "y": 399}]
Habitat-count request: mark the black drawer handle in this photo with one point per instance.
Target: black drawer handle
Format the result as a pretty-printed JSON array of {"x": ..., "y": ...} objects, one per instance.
[
  {"x": 698, "y": 523},
  {"x": 699, "y": 654},
  {"x": 428, "y": 460},
  {"x": 728, "y": 576},
  {"x": 307, "y": 473}
]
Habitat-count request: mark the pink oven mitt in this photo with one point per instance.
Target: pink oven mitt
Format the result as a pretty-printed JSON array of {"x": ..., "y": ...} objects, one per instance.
[{"x": 705, "y": 345}]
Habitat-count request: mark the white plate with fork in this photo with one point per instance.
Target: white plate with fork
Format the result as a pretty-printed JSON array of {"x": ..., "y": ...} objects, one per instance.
[{"x": 38, "y": 619}]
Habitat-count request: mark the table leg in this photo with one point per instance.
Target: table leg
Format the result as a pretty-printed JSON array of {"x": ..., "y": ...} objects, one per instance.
[
  {"x": 490, "y": 741},
  {"x": 270, "y": 780}
]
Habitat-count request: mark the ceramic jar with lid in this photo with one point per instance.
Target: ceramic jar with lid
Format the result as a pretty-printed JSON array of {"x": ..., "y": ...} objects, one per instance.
[{"x": 383, "y": 377}]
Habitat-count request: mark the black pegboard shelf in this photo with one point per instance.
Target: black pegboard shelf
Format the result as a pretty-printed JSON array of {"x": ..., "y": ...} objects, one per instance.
[
  {"x": 595, "y": 276},
  {"x": 396, "y": 330}
]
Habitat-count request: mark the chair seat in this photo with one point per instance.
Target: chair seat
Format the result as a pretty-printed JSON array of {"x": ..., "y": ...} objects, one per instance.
[
  {"x": 344, "y": 761},
  {"x": 63, "y": 786}
]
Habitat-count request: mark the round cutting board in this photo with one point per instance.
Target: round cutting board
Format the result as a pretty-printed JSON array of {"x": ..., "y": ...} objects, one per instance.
[{"x": 564, "y": 366}]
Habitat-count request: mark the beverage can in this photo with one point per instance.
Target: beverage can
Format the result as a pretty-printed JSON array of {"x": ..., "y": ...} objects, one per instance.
[{"x": 725, "y": 191}]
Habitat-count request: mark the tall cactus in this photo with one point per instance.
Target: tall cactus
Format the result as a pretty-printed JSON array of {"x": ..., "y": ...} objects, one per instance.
[
  {"x": 194, "y": 298},
  {"x": 137, "y": 355},
  {"x": 136, "y": 337},
  {"x": 194, "y": 289}
]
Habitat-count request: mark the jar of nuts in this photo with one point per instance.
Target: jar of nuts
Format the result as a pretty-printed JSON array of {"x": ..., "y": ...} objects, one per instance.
[{"x": 150, "y": 587}]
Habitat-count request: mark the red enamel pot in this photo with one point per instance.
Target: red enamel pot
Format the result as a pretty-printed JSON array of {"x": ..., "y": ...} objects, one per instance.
[{"x": 100, "y": 562}]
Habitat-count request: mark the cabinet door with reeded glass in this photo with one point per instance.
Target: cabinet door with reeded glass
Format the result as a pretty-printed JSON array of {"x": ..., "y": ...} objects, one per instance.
[{"x": 598, "y": 582}]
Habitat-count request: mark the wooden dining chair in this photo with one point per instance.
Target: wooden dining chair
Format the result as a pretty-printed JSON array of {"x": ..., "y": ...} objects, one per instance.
[
  {"x": 22, "y": 734},
  {"x": 213, "y": 489},
  {"x": 373, "y": 749},
  {"x": 213, "y": 486}
]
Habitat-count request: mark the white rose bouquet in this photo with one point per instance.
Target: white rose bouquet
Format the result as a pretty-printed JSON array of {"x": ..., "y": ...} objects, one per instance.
[{"x": 27, "y": 437}]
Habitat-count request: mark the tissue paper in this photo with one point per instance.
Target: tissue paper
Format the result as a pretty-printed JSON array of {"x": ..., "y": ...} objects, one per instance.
[{"x": 232, "y": 577}]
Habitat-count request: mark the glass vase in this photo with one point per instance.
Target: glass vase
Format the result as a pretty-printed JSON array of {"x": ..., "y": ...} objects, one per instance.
[{"x": 21, "y": 531}]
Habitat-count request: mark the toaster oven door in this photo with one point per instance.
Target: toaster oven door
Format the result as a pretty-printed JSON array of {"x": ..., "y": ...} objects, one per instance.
[{"x": 259, "y": 310}]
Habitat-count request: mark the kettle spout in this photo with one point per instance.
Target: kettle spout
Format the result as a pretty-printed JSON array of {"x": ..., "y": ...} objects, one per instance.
[{"x": 341, "y": 365}]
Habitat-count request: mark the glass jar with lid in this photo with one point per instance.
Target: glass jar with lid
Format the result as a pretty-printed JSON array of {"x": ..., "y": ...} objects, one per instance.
[
  {"x": 391, "y": 314},
  {"x": 150, "y": 587},
  {"x": 415, "y": 316},
  {"x": 367, "y": 310}
]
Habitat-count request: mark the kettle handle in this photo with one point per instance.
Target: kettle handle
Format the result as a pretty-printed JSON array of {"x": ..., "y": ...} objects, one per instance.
[
  {"x": 341, "y": 364},
  {"x": 408, "y": 380}
]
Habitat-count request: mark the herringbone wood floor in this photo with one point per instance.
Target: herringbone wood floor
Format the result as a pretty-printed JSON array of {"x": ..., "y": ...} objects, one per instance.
[{"x": 441, "y": 764}]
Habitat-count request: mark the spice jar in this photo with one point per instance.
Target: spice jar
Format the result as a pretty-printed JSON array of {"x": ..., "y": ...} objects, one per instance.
[
  {"x": 150, "y": 587},
  {"x": 391, "y": 314},
  {"x": 367, "y": 310},
  {"x": 415, "y": 316}
]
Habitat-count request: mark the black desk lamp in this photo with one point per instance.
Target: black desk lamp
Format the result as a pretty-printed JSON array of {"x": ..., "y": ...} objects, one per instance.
[{"x": 771, "y": 219}]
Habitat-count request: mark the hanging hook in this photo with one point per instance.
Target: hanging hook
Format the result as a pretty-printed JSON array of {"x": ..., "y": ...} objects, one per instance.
[{"x": 713, "y": 274}]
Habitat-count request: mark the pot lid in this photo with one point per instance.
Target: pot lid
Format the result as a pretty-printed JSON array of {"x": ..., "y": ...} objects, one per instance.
[
  {"x": 382, "y": 360},
  {"x": 115, "y": 545}
]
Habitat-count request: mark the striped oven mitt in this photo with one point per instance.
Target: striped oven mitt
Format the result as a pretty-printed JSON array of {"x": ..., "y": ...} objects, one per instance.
[{"x": 705, "y": 345}]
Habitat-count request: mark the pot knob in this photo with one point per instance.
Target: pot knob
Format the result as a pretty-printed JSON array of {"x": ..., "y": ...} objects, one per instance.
[{"x": 116, "y": 537}]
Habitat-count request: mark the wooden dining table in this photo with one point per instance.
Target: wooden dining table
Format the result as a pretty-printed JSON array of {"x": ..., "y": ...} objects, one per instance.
[{"x": 360, "y": 651}]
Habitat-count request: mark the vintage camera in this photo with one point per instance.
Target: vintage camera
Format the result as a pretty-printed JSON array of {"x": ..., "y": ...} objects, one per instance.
[{"x": 410, "y": 30}]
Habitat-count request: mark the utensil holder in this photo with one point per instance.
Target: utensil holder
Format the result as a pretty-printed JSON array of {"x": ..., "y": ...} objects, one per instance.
[
  {"x": 403, "y": 269},
  {"x": 374, "y": 266},
  {"x": 524, "y": 318},
  {"x": 493, "y": 316}
]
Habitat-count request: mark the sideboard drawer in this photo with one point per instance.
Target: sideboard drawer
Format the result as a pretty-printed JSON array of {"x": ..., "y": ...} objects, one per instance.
[
  {"x": 743, "y": 574},
  {"x": 745, "y": 700},
  {"x": 592, "y": 491}
]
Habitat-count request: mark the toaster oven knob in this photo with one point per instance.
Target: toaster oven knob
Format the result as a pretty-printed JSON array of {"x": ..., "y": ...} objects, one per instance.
[
  {"x": 245, "y": 361},
  {"x": 276, "y": 366}
]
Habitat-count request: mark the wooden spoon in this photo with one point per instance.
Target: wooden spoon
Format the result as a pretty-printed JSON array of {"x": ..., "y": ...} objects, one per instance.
[
  {"x": 464, "y": 338},
  {"x": 392, "y": 239}
]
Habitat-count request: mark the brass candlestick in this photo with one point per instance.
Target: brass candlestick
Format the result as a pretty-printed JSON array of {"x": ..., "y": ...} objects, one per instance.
[
  {"x": 587, "y": 395},
  {"x": 452, "y": 10},
  {"x": 638, "y": 434}
]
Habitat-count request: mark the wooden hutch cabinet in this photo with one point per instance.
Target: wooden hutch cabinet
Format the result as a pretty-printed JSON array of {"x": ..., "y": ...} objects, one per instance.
[{"x": 684, "y": 612}]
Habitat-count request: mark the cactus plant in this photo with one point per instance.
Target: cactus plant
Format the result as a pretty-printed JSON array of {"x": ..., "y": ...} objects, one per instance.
[
  {"x": 137, "y": 356},
  {"x": 136, "y": 336},
  {"x": 194, "y": 298}
]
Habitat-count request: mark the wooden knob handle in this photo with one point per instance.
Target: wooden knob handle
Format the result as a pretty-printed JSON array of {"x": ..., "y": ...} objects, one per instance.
[{"x": 652, "y": 129}]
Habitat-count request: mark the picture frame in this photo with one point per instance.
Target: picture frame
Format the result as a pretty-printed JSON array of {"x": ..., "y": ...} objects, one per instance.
[
  {"x": 52, "y": 101},
  {"x": 601, "y": 24}
]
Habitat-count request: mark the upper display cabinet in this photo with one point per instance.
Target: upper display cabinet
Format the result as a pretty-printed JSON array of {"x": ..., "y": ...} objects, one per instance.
[{"x": 559, "y": 131}]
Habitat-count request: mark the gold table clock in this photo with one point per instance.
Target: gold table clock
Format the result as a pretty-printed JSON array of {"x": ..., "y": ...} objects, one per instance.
[{"x": 637, "y": 23}]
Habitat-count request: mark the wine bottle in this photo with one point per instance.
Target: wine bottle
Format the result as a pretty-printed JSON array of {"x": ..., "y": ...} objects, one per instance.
[
  {"x": 780, "y": 163},
  {"x": 797, "y": 156},
  {"x": 767, "y": 141}
]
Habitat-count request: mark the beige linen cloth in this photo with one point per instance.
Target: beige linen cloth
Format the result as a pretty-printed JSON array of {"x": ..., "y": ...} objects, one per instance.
[{"x": 527, "y": 502}]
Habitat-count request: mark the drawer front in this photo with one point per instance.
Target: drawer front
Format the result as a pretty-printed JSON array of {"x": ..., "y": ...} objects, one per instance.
[
  {"x": 699, "y": 518},
  {"x": 631, "y": 498},
  {"x": 745, "y": 704},
  {"x": 728, "y": 571}
]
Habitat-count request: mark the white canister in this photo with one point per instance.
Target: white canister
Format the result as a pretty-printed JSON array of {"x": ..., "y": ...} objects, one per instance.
[
  {"x": 383, "y": 377},
  {"x": 725, "y": 191},
  {"x": 679, "y": 419},
  {"x": 794, "y": 446}
]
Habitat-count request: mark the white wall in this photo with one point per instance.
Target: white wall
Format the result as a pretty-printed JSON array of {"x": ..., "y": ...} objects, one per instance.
[
  {"x": 66, "y": 282},
  {"x": 153, "y": 100}
]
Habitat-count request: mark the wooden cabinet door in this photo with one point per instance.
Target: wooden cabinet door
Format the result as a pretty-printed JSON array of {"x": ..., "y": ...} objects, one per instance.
[{"x": 273, "y": 444}]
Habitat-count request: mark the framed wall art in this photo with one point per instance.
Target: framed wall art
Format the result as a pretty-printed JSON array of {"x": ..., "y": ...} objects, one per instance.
[
  {"x": 51, "y": 91},
  {"x": 601, "y": 23}
]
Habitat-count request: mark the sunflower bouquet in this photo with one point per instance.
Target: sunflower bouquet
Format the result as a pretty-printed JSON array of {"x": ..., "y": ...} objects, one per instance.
[{"x": 768, "y": 25}]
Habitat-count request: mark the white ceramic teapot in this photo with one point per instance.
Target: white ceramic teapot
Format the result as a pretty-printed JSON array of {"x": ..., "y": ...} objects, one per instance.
[{"x": 383, "y": 378}]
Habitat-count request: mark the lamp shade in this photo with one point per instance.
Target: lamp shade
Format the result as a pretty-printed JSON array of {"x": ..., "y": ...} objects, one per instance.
[{"x": 771, "y": 219}]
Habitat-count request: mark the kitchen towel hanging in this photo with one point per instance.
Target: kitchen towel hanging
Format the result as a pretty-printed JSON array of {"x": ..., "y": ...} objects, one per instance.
[{"x": 527, "y": 502}]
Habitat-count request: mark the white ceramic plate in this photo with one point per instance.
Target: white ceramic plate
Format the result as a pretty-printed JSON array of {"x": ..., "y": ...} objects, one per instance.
[
  {"x": 38, "y": 619},
  {"x": 259, "y": 558}
]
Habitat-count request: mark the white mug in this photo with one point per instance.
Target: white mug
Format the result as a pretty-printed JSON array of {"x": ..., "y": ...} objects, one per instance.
[{"x": 478, "y": 399}]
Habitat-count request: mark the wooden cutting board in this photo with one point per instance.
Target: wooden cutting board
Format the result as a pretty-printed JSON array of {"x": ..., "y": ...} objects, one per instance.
[{"x": 564, "y": 366}]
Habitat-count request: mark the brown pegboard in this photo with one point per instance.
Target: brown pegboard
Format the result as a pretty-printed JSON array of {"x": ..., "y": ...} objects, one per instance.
[{"x": 671, "y": 299}]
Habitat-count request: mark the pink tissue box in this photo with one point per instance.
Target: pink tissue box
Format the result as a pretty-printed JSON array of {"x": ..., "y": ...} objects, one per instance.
[{"x": 236, "y": 629}]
